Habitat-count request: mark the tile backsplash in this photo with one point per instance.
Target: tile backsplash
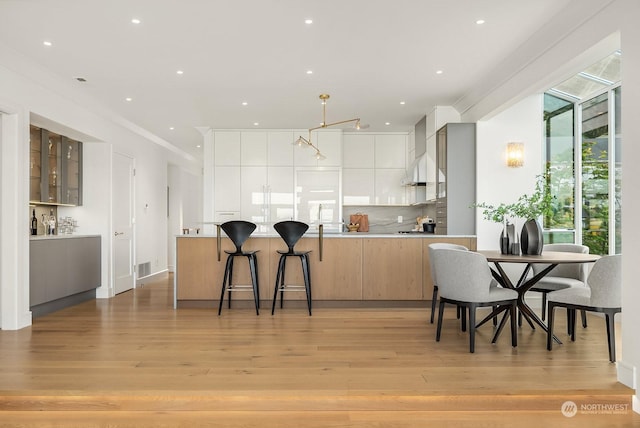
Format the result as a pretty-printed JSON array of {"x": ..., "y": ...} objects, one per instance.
[{"x": 384, "y": 219}]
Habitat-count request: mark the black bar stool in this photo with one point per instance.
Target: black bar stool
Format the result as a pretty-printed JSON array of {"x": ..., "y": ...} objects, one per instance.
[
  {"x": 291, "y": 232},
  {"x": 238, "y": 231}
]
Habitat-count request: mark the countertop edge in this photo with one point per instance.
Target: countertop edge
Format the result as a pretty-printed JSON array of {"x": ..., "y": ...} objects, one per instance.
[{"x": 349, "y": 235}]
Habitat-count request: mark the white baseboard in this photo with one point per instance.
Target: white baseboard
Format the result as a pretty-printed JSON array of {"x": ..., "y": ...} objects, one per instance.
[
  {"x": 626, "y": 374},
  {"x": 151, "y": 277}
]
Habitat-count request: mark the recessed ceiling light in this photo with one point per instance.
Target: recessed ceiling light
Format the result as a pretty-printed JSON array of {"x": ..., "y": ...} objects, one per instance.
[
  {"x": 480, "y": 21},
  {"x": 255, "y": 124},
  {"x": 387, "y": 123},
  {"x": 179, "y": 72},
  {"x": 308, "y": 21},
  {"x": 47, "y": 43},
  {"x": 128, "y": 99},
  {"x": 244, "y": 103},
  {"x": 135, "y": 21},
  {"x": 309, "y": 71},
  {"x": 171, "y": 128},
  {"x": 439, "y": 72},
  {"x": 402, "y": 103},
  {"x": 198, "y": 146}
]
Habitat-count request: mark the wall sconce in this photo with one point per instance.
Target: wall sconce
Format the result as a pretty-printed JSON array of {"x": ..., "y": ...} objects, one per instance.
[{"x": 515, "y": 155}]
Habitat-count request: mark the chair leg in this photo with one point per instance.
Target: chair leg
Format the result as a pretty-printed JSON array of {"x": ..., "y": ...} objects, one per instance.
[
  {"x": 434, "y": 299},
  {"x": 277, "y": 286},
  {"x": 583, "y": 314},
  {"x": 458, "y": 312},
  {"x": 307, "y": 279},
  {"x": 230, "y": 278},
  {"x": 464, "y": 318},
  {"x": 472, "y": 328},
  {"x": 544, "y": 305},
  {"x": 551, "y": 310},
  {"x": 569, "y": 322},
  {"x": 440, "y": 316},
  {"x": 573, "y": 325},
  {"x": 611, "y": 335},
  {"x": 495, "y": 319},
  {"x": 284, "y": 268},
  {"x": 224, "y": 283},
  {"x": 514, "y": 328},
  {"x": 254, "y": 281}
]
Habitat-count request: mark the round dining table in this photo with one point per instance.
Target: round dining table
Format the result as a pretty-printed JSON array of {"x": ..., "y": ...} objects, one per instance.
[{"x": 525, "y": 281}]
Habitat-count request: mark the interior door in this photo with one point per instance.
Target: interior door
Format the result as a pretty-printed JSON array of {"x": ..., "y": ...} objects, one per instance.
[{"x": 123, "y": 223}]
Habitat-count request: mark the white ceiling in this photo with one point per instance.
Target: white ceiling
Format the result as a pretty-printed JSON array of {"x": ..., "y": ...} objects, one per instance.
[{"x": 369, "y": 55}]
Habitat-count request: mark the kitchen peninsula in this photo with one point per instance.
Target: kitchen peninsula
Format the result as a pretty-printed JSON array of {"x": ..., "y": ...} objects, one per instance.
[{"x": 347, "y": 269}]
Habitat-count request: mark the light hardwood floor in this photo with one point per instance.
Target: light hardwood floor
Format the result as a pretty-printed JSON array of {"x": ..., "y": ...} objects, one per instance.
[{"x": 134, "y": 361}]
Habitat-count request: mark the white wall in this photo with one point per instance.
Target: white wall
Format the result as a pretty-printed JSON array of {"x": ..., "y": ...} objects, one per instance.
[
  {"x": 629, "y": 362},
  {"x": 185, "y": 206},
  {"x": 496, "y": 182}
]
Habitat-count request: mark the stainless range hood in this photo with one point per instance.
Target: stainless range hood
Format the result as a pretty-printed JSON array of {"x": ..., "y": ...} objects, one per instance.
[{"x": 417, "y": 173}]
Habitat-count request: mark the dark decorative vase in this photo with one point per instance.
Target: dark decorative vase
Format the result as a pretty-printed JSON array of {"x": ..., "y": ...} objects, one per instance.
[
  {"x": 531, "y": 239},
  {"x": 507, "y": 237}
]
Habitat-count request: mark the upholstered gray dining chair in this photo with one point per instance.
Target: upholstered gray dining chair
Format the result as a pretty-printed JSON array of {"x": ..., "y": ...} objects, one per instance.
[
  {"x": 464, "y": 279},
  {"x": 432, "y": 248},
  {"x": 603, "y": 294},
  {"x": 563, "y": 276}
]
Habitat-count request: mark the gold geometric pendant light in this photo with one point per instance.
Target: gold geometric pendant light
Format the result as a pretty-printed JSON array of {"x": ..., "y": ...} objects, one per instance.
[{"x": 306, "y": 142}]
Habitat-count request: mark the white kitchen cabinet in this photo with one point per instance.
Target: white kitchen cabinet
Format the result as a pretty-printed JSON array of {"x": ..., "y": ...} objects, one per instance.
[
  {"x": 440, "y": 116},
  {"x": 226, "y": 188},
  {"x": 388, "y": 190},
  {"x": 318, "y": 197},
  {"x": 253, "y": 193},
  {"x": 280, "y": 193},
  {"x": 280, "y": 147},
  {"x": 266, "y": 194},
  {"x": 358, "y": 151},
  {"x": 390, "y": 151},
  {"x": 253, "y": 148},
  {"x": 358, "y": 186},
  {"x": 226, "y": 148}
]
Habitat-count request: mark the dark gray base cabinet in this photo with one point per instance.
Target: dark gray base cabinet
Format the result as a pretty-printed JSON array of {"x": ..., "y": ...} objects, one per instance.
[{"x": 63, "y": 272}]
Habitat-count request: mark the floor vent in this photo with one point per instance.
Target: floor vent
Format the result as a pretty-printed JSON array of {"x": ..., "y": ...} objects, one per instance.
[{"x": 144, "y": 269}]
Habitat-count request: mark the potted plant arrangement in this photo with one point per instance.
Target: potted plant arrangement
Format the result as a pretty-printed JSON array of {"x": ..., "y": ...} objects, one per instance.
[{"x": 529, "y": 207}]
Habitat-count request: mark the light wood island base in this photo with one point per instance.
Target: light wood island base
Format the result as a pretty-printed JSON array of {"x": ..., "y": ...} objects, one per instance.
[{"x": 355, "y": 270}]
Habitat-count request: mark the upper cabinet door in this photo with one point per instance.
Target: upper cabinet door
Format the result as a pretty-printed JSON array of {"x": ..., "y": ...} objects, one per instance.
[
  {"x": 35, "y": 164},
  {"x": 280, "y": 148},
  {"x": 226, "y": 148},
  {"x": 71, "y": 172},
  {"x": 358, "y": 151},
  {"x": 253, "y": 148},
  {"x": 55, "y": 168},
  {"x": 390, "y": 151}
]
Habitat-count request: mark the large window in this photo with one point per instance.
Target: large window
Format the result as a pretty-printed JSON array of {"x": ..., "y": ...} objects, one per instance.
[
  {"x": 582, "y": 154},
  {"x": 595, "y": 220}
]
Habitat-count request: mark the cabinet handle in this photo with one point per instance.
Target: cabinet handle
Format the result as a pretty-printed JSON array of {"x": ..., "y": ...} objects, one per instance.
[
  {"x": 218, "y": 240},
  {"x": 321, "y": 240},
  {"x": 118, "y": 233}
]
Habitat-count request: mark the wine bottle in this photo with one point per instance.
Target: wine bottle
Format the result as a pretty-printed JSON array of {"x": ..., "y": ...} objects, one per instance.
[{"x": 34, "y": 223}]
